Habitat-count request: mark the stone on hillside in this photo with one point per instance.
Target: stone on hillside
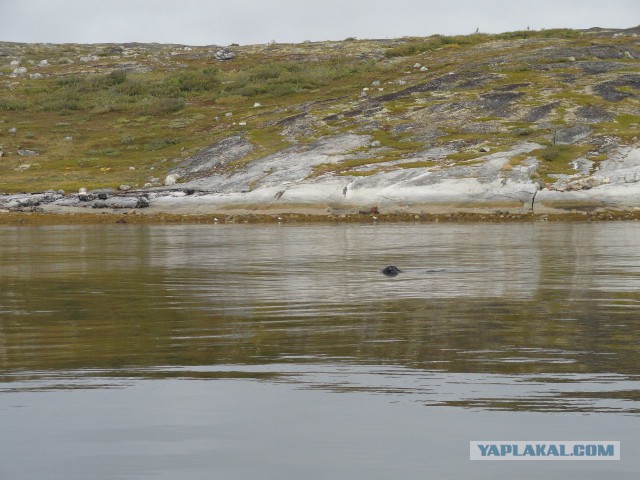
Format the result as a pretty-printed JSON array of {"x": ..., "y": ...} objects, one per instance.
[
  {"x": 88, "y": 58},
  {"x": 68, "y": 138},
  {"x": 375, "y": 83},
  {"x": 27, "y": 153},
  {"x": 424, "y": 69},
  {"x": 485, "y": 149},
  {"x": 19, "y": 71},
  {"x": 132, "y": 168},
  {"x": 14, "y": 63},
  {"x": 1, "y": 153},
  {"x": 43, "y": 63},
  {"x": 124, "y": 188},
  {"x": 363, "y": 94},
  {"x": 417, "y": 65},
  {"x": 256, "y": 105},
  {"x": 143, "y": 202},
  {"x": 171, "y": 179},
  {"x": 224, "y": 54},
  {"x": 35, "y": 76},
  {"x": 82, "y": 190},
  {"x": 12, "y": 130}
]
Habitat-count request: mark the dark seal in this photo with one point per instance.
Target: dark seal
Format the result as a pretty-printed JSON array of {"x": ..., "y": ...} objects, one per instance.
[{"x": 391, "y": 271}]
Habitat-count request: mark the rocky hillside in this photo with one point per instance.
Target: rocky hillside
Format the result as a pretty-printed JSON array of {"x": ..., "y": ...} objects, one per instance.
[{"x": 512, "y": 121}]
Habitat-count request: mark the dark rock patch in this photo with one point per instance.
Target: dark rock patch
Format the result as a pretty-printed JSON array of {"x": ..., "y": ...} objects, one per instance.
[
  {"x": 539, "y": 113},
  {"x": 593, "y": 114},
  {"x": 572, "y": 134},
  {"x": 511, "y": 87},
  {"x": 609, "y": 90},
  {"x": 210, "y": 158},
  {"x": 498, "y": 103}
]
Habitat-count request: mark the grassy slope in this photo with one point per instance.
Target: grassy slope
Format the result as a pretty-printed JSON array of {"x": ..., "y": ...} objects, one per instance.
[{"x": 148, "y": 106}]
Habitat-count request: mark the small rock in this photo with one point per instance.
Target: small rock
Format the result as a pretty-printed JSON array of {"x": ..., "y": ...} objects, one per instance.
[
  {"x": 171, "y": 179},
  {"x": 424, "y": 69},
  {"x": 27, "y": 153},
  {"x": 68, "y": 138},
  {"x": 1, "y": 153},
  {"x": 380, "y": 89},
  {"x": 485, "y": 149},
  {"x": 82, "y": 190},
  {"x": 363, "y": 94},
  {"x": 243, "y": 124},
  {"x": 572, "y": 59},
  {"x": 375, "y": 144},
  {"x": 14, "y": 63},
  {"x": 256, "y": 105},
  {"x": 375, "y": 83},
  {"x": 365, "y": 89},
  {"x": 148, "y": 185},
  {"x": 124, "y": 188},
  {"x": 43, "y": 63},
  {"x": 132, "y": 168},
  {"x": 19, "y": 71},
  {"x": 24, "y": 166},
  {"x": 228, "y": 114},
  {"x": 224, "y": 54},
  {"x": 12, "y": 130},
  {"x": 89, "y": 58},
  {"x": 35, "y": 76},
  {"x": 99, "y": 205},
  {"x": 417, "y": 65},
  {"x": 103, "y": 196},
  {"x": 143, "y": 202},
  {"x": 86, "y": 197},
  {"x": 60, "y": 192}
]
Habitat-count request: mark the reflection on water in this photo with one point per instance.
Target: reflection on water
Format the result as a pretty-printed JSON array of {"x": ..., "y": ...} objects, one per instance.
[
  {"x": 243, "y": 352},
  {"x": 540, "y": 317}
]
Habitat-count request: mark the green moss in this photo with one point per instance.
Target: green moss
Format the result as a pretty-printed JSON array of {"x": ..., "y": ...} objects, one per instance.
[{"x": 556, "y": 159}]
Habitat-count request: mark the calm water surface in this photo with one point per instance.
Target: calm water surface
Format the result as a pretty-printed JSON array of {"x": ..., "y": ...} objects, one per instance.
[{"x": 271, "y": 352}]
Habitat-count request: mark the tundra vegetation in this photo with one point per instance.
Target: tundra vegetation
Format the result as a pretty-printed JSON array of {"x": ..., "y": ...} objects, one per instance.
[{"x": 111, "y": 114}]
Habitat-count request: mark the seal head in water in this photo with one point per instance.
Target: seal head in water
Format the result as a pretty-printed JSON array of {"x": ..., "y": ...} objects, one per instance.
[{"x": 391, "y": 271}]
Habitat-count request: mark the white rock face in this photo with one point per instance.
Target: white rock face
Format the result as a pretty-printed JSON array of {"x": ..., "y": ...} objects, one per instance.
[{"x": 82, "y": 190}]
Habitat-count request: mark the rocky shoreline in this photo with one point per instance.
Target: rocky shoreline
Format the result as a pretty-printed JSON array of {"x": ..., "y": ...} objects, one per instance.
[{"x": 283, "y": 183}]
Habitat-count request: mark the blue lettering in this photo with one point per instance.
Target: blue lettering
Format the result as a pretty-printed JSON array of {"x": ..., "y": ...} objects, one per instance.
[
  {"x": 504, "y": 449},
  {"x": 540, "y": 450},
  {"x": 592, "y": 450},
  {"x": 483, "y": 449},
  {"x": 529, "y": 451},
  {"x": 605, "y": 450},
  {"x": 553, "y": 451},
  {"x": 493, "y": 450},
  {"x": 578, "y": 450}
]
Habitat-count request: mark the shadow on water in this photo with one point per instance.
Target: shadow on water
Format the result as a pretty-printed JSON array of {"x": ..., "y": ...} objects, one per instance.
[{"x": 507, "y": 317}]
